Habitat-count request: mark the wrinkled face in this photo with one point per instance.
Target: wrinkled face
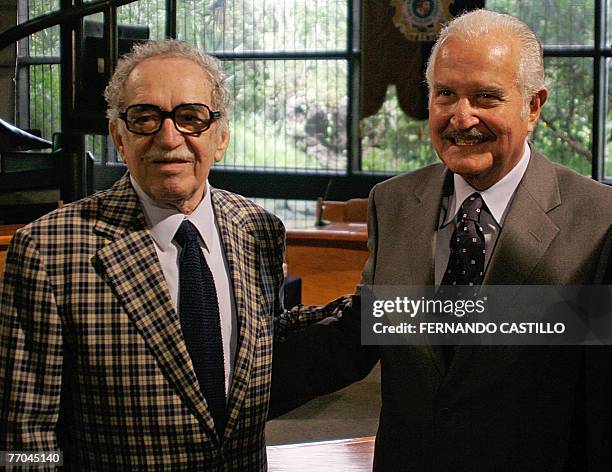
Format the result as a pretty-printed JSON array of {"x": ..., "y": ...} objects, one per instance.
[
  {"x": 170, "y": 167},
  {"x": 477, "y": 120}
]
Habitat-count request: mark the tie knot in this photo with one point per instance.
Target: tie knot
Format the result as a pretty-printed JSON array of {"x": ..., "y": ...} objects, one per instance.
[
  {"x": 471, "y": 208},
  {"x": 186, "y": 233}
]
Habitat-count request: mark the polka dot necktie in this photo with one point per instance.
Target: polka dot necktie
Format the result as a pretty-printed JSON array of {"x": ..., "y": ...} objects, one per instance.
[
  {"x": 467, "y": 255},
  {"x": 200, "y": 323},
  {"x": 467, "y": 246}
]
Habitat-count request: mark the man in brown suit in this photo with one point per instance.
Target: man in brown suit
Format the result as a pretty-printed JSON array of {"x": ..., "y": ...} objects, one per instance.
[
  {"x": 94, "y": 351},
  {"x": 481, "y": 408}
]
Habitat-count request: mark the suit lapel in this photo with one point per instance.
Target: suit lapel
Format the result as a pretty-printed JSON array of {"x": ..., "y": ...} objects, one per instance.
[
  {"x": 242, "y": 258},
  {"x": 421, "y": 231},
  {"x": 528, "y": 230},
  {"x": 420, "y": 226},
  {"x": 130, "y": 264}
]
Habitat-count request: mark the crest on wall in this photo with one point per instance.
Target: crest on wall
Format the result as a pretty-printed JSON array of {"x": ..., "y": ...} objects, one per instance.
[{"x": 421, "y": 20}]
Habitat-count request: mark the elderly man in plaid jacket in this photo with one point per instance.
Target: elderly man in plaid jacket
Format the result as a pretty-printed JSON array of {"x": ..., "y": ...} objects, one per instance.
[{"x": 93, "y": 353}]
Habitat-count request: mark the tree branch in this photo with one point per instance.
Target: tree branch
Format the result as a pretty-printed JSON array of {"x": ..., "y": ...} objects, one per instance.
[{"x": 572, "y": 142}]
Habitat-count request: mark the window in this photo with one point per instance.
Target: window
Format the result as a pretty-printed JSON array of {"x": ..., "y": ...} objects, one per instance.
[
  {"x": 38, "y": 73},
  {"x": 294, "y": 76}
]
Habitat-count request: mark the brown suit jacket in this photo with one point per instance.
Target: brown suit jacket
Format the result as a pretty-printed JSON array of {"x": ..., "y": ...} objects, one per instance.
[
  {"x": 503, "y": 408},
  {"x": 92, "y": 358}
]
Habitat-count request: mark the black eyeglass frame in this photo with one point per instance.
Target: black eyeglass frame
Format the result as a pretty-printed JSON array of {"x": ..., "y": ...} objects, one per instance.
[{"x": 214, "y": 116}]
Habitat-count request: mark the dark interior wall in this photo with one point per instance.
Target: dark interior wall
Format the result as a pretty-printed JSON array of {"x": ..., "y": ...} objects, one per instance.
[{"x": 8, "y": 19}]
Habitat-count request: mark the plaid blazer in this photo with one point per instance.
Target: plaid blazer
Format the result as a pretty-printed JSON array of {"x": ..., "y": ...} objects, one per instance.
[{"x": 92, "y": 358}]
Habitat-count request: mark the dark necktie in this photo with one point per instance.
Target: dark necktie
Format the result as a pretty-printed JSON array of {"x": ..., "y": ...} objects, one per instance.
[
  {"x": 467, "y": 253},
  {"x": 199, "y": 313},
  {"x": 467, "y": 246}
]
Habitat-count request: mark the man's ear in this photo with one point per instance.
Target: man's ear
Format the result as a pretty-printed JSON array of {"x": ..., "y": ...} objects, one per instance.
[
  {"x": 222, "y": 143},
  {"x": 535, "y": 107},
  {"x": 113, "y": 130}
]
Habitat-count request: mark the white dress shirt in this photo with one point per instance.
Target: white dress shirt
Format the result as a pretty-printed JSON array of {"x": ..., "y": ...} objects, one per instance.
[
  {"x": 163, "y": 224},
  {"x": 497, "y": 198}
]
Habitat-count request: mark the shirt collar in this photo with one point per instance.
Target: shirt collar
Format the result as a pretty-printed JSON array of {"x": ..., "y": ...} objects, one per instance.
[
  {"x": 164, "y": 222},
  {"x": 497, "y": 197}
]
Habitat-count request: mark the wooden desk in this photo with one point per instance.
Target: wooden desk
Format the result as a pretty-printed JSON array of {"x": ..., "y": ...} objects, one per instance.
[
  {"x": 6, "y": 234},
  {"x": 346, "y": 455},
  {"x": 329, "y": 259}
]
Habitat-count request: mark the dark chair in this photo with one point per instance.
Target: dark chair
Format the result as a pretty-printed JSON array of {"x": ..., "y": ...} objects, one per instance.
[{"x": 29, "y": 183}]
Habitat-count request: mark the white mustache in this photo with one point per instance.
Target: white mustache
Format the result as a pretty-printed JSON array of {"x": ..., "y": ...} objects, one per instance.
[{"x": 170, "y": 156}]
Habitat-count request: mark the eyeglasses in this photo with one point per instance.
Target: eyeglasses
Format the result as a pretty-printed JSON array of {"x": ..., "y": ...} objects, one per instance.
[{"x": 188, "y": 118}]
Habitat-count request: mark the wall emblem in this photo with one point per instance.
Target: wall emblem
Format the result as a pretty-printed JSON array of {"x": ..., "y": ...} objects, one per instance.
[{"x": 421, "y": 20}]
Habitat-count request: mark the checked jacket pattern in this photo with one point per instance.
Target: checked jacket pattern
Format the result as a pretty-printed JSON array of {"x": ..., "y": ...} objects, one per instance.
[{"x": 92, "y": 357}]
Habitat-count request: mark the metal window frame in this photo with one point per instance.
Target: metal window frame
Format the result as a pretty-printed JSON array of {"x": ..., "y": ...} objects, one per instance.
[{"x": 352, "y": 182}]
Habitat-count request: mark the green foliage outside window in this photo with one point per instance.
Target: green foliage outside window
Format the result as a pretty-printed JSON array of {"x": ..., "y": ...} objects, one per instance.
[
  {"x": 393, "y": 141},
  {"x": 292, "y": 114}
]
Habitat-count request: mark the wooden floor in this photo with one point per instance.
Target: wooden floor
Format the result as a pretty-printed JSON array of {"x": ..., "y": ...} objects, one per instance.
[{"x": 346, "y": 455}]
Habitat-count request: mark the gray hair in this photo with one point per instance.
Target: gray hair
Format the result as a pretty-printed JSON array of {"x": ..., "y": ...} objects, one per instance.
[
  {"x": 114, "y": 92},
  {"x": 482, "y": 22}
]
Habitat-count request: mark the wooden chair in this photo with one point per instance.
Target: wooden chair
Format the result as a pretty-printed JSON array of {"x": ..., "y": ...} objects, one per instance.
[{"x": 354, "y": 210}]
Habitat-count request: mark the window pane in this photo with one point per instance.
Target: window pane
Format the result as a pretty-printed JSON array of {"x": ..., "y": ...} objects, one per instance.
[
  {"x": 102, "y": 149},
  {"x": 295, "y": 214},
  {"x": 609, "y": 24},
  {"x": 44, "y": 99},
  {"x": 608, "y": 150},
  {"x": 41, "y": 7},
  {"x": 45, "y": 42},
  {"x": 269, "y": 25},
  {"x": 394, "y": 142},
  {"x": 564, "y": 132},
  {"x": 288, "y": 114},
  {"x": 561, "y": 22},
  {"x": 151, "y": 13}
]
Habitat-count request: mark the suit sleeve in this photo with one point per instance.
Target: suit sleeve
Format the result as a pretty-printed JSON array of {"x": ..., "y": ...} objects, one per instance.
[
  {"x": 30, "y": 352},
  {"x": 325, "y": 357}
]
